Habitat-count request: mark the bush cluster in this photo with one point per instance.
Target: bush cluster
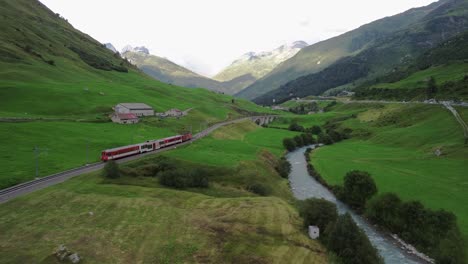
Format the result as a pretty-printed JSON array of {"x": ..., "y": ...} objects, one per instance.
[
  {"x": 328, "y": 137},
  {"x": 434, "y": 232},
  {"x": 298, "y": 141},
  {"x": 259, "y": 188},
  {"x": 358, "y": 188},
  {"x": 350, "y": 243},
  {"x": 305, "y": 108},
  {"x": 339, "y": 234},
  {"x": 111, "y": 170},
  {"x": 184, "y": 178},
  {"x": 283, "y": 167}
]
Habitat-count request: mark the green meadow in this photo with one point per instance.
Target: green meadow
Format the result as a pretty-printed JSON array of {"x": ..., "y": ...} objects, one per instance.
[
  {"x": 442, "y": 74},
  {"x": 234, "y": 143},
  {"x": 138, "y": 220},
  {"x": 396, "y": 144},
  {"x": 67, "y": 114}
]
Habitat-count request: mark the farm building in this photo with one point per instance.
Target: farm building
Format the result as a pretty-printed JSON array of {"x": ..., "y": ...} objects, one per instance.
[
  {"x": 139, "y": 109},
  {"x": 174, "y": 112},
  {"x": 128, "y": 118}
]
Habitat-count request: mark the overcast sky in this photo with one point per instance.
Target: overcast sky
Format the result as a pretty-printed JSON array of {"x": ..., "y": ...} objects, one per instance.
[{"x": 207, "y": 35}]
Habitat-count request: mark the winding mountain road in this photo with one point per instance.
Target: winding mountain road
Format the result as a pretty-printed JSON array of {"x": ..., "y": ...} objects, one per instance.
[
  {"x": 41, "y": 183},
  {"x": 458, "y": 118}
]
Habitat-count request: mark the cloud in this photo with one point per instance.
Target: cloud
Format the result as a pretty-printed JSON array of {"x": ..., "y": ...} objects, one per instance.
[{"x": 197, "y": 65}]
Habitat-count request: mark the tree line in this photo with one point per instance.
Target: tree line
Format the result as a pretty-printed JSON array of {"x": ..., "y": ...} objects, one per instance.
[
  {"x": 434, "y": 232},
  {"x": 339, "y": 234}
]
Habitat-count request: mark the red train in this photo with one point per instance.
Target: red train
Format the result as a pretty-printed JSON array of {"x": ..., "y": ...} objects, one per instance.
[{"x": 125, "y": 151}]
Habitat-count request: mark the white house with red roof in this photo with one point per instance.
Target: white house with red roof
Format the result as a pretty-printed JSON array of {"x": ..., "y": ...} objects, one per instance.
[{"x": 127, "y": 118}]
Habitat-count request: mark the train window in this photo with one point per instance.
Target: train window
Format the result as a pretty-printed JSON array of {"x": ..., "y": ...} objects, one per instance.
[{"x": 108, "y": 154}]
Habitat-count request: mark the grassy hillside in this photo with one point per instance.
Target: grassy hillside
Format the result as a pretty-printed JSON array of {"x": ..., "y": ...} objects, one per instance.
[
  {"x": 319, "y": 56},
  {"x": 446, "y": 64},
  {"x": 63, "y": 85},
  {"x": 166, "y": 71},
  {"x": 396, "y": 144},
  {"x": 138, "y": 220}
]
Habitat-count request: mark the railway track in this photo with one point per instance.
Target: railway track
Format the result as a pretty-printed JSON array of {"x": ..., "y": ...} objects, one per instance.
[{"x": 41, "y": 183}]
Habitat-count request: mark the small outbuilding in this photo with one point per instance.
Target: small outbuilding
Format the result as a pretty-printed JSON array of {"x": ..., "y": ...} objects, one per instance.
[
  {"x": 125, "y": 118},
  {"x": 138, "y": 109},
  {"x": 314, "y": 232},
  {"x": 174, "y": 112}
]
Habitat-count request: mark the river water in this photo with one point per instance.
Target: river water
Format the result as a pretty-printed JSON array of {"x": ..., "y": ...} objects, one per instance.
[{"x": 304, "y": 186}]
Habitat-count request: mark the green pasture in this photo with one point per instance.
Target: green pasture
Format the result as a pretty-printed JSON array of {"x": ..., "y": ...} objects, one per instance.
[
  {"x": 234, "y": 143},
  {"x": 442, "y": 74},
  {"x": 397, "y": 144},
  {"x": 137, "y": 220}
]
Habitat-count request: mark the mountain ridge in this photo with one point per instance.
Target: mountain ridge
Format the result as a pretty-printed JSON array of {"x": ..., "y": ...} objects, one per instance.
[
  {"x": 258, "y": 64},
  {"x": 383, "y": 55},
  {"x": 319, "y": 56}
]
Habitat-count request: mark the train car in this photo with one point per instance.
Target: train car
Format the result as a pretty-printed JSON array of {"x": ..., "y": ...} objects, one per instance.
[
  {"x": 169, "y": 141},
  {"x": 120, "y": 152},
  {"x": 186, "y": 137}
]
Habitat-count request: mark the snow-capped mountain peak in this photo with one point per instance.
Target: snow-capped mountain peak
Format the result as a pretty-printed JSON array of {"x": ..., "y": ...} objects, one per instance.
[
  {"x": 141, "y": 49},
  {"x": 259, "y": 64}
]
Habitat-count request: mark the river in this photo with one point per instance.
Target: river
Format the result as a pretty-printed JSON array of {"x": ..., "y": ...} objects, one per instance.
[{"x": 304, "y": 186}]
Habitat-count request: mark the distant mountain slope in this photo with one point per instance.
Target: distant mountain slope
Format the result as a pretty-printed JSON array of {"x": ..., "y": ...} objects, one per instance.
[
  {"x": 111, "y": 47},
  {"x": 259, "y": 64},
  {"x": 166, "y": 71},
  {"x": 319, "y": 56},
  {"x": 446, "y": 20},
  {"x": 446, "y": 64}
]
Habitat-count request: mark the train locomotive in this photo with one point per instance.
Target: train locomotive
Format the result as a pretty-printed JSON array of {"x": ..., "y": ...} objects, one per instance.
[{"x": 150, "y": 145}]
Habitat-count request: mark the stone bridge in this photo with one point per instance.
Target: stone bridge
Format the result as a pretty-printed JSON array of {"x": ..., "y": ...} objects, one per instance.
[{"x": 262, "y": 120}]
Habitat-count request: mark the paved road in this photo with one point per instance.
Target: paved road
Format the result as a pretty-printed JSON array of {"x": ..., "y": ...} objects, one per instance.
[
  {"x": 458, "y": 118},
  {"x": 462, "y": 104},
  {"x": 41, "y": 183}
]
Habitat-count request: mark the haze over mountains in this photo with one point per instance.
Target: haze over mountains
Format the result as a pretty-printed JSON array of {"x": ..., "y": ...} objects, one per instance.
[
  {"x": 240, "y": 74},
  {"x": 261, "y": 63},
  {"x": 367, "y": 52}
]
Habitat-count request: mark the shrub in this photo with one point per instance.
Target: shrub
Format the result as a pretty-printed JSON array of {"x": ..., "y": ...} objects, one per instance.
[
  {"x": 433, "y": 232},
  {"x": 296, "y": 127},
  {"x": 308, "y": 139},
  {"x": 335, "y": 135},
  {"x": 325, "y": 139},
  {"x": 127, "y": 171},
  {"x": 318, "y": 212},
  {"x": 111, "y": 170},
  {"x": 298, "y": 140},
  {"x": 283, "y": 167},
  {"x": 358, "y": 188},
  {"x": 315, "y": 130},
  {"x": 183, "y": 178},
  {"x": 289, "y": 144},
  {"x": 259, "y": 188},
  {"x": 384, "y": 210},
  {"x": 350, "y": 243}
]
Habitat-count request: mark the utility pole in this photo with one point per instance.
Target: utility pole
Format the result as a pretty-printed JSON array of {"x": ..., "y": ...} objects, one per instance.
[
  {"x": 36, "y": 150},
  {"x": 87, "y": 152}
]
